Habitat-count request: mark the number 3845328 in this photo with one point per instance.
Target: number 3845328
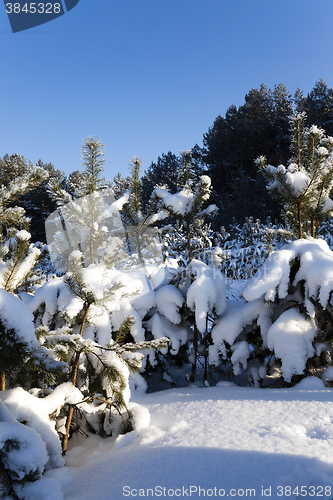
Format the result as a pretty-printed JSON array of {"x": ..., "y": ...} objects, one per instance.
[{"x": 33, "y": 8}]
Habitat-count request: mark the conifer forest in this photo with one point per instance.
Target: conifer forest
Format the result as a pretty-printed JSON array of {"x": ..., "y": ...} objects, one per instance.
[{"x": 212, "y": 269}]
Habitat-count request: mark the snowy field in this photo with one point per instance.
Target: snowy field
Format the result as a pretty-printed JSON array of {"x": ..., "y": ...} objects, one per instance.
[{"x": 214, "y": 442}]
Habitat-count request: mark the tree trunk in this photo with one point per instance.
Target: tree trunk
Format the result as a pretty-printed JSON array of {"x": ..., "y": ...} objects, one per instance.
[
  {"x": 313, "y": 227},
  {"x": 188, "y": 238},
  {"x": 206, "y": 366},
  {"x": 68, "y": 427},
  {"x": 195, "y": 346},
  {"x": 299, "y": 215},
  {"x": 138, "y": 242},
  {"x": 74, "y": 377},
  {"x": 3, "y": 381}
]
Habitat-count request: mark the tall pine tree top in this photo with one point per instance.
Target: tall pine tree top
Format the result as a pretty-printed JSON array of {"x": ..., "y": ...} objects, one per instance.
[{"x": 305, "y": 184}]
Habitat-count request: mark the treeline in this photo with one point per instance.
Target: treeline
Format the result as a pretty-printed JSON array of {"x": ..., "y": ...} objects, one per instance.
[{"x": 259, "y": 127}]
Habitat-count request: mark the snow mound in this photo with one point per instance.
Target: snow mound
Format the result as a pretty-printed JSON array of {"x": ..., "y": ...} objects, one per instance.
[
  {"x": 290, "y": 337},
  {"x": 316, "y": 269},
  {"x": 310, "y": 384}
]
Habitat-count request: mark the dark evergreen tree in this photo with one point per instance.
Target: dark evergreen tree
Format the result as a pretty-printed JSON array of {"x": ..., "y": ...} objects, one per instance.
[
  {"x": 231, "y": 145},
  {"x": 166, "y": 172},
  {"x": 38, "y": 204},
  {"x": 162, "y": 172},
  {"x": 120, "y": 185},
  {"x": 318, "y": 106},
  {"x": 12, "y": 167}
]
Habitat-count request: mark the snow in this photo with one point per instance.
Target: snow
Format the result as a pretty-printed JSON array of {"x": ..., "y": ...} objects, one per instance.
[
  {"x": 316, "y": 269},
  {"x": 31, "y": 454},
  {"x": 180, "y": 203},
  {"x": 23, "y": 235},
  {"x": 328, "y": 373},
  {"x": 162, "y": 327},
  {"x": 169, "y": 299},
  {"x": 15, "y": 314},
  {"x": 223, "y": 437},
  {"x": 298, "y": 180},
  {"x": 328, "y": 205},
  {"x": 35, "y": 411},
  {"x": 43, "y": 489},
  {"x": 237, "y": 316},
  {"x": 240, "y": 355},
  {"x": 28, "y": 456},
  {"x": 48, "y": 295},
  {"x": 25, "y": 267},
  {"x": 290, "y": 337},
  {"x": 273, "y": 274},
  {"x": 115, "y": 207},
  {"x": 206, "y": 292}
]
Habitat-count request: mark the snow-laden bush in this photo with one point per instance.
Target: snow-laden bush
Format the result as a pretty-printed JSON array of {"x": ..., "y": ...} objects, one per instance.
[
  {"x": 26, "y": 451},
  {"x": 285, "y": 327}
]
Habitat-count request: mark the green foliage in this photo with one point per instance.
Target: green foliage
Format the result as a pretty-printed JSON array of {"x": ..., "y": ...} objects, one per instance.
[
  {"x": 15, "y": 216},
  {"x": 259, "y": 126},
  {"x": 124, "y": 330},
  {"x": 189, "y": 213},
  {"x": 168, "y": 171},
  {"x": 141, "y": 220},
  {"x": 318, "y": 105},
  {"x": 13, "y": 352},
  {"x": 93, "y": 161},
  {"x": 305, "y": 185}
]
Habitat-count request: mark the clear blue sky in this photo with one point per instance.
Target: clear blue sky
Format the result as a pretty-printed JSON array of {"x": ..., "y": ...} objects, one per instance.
[{"x": 149, "y": 76}]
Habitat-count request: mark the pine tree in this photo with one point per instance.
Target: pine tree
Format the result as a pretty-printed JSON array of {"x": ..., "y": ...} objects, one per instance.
[
  {"x": 12, "y": 167},
  {"x": 283, "y": 332},
  {"x": 165, "y": 172},
  {"x": 90, "y": 224},
  {"x": 83, "y": 213},
  {"x": 38, "y": 204},
  {"x": 259, "y": 126},
  {"x": 120, "y": 185},
  {"x": 17, "y": 259},
  {"x": 141, "y": 221},
  {"x": 186, "y": 206},
  {"x": 317, "y": 105},
  {"x": 305, "y": 185}
]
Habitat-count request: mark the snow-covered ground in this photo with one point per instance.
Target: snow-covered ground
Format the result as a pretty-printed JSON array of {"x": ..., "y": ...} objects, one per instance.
[{"x": 227, "y": 440}]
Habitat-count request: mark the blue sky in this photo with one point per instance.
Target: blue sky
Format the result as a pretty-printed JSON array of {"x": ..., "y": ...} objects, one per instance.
[{"x": 149, "y": 76}]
